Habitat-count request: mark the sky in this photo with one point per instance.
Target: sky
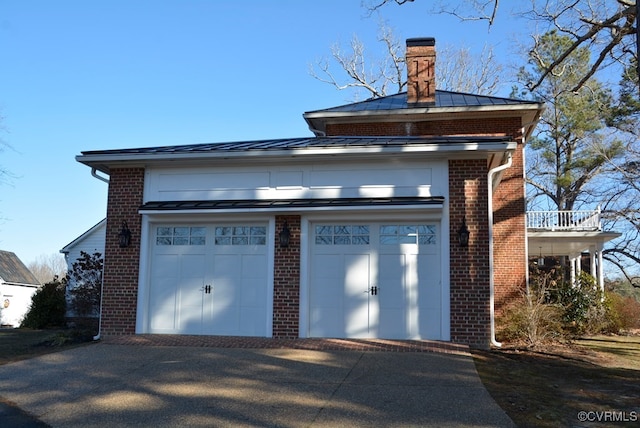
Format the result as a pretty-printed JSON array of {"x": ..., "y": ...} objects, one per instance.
[{"x": 81, "y": 75}]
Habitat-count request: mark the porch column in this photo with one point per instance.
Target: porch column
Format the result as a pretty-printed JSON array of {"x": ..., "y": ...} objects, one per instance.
[
  {"x": 600, "y": 269},
  {"x": 592, "y": 260},
  {"x": 572, "y": 270}
]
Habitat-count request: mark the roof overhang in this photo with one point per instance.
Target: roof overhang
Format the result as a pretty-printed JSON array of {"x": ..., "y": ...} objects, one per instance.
[
  {"x": 528, "y": 112},
  {"x": 562, "y": 243},
  {"x": 345, "y": 147}
]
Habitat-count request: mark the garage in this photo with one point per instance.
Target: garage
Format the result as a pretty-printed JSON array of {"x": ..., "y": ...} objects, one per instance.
[
  {"x": 375, "y": 280},
  {"x": 209, "y": 279}
]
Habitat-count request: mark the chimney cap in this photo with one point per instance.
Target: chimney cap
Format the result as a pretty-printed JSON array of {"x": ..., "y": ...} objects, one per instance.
[{"x": 421, "y": 41}]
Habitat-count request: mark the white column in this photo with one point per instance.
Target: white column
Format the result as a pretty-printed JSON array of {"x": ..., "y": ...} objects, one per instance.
[
  {"x": 572, "y": 265},
  {"x": 592, "y": 257},
  {"x": 600, "y": 269}
]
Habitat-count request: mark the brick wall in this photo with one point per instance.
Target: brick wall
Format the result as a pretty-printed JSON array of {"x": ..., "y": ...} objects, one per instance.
[
  {"x": 120, "y": 289},
  {"x": 469, "y": 267},
  {"x": 286, "y": 281}
]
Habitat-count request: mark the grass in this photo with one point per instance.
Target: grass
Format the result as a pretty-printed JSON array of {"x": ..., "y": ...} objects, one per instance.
[
  {"x": 549, "y": 388},
  {"x": 21, "y": 343}
]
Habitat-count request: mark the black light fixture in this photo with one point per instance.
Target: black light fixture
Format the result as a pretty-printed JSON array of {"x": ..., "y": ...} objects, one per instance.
[
  {"x": 124, "y": 237},
  {"x": 284, "y": 235},
  {"x": 463, "y": 234}
]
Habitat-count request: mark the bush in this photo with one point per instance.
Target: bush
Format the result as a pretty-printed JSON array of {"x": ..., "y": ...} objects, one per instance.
[
  {"x": 533, "y": 320},
  {"x": 48, "y": 306},
  {"x": 85, "y": 283},
  {"x": 623, "y": 313},
  {"x": 583, "y": 306}
]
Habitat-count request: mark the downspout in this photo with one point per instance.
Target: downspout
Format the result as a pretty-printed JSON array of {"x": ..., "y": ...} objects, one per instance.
[
  {"x": 490, "y": 176},
  {"x": 97, "y": 336},
  {"x": 94, "y": 173}
]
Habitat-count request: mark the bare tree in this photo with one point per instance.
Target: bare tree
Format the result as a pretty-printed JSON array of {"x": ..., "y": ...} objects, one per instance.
[
  {"x": 457, "y": 69},
  {"x": 46, "y": 267},
  {"x": 608, "y": 28}
]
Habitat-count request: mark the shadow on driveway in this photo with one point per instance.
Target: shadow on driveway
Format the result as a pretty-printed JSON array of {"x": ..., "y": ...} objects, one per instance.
[{"x": 123, "y": 385}]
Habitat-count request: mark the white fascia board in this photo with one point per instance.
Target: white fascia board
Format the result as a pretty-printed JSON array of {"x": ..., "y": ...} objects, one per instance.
[
  {"x": 403, "y": 208},
  {"x": 448, "y": 149}
]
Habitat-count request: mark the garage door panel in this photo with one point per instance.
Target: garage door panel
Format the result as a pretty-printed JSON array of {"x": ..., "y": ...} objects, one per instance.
[
  {"x": 391, "y": 287},
  {"x": 209, "y": 279},
  {"x": 163, "y": 304}
]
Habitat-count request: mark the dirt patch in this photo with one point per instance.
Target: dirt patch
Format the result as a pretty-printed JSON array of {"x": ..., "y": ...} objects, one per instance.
[{"x": 551, "y": 386}]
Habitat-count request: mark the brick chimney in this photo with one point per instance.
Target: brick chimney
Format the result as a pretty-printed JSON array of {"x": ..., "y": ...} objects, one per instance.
[{"x": 421, "y": 72}]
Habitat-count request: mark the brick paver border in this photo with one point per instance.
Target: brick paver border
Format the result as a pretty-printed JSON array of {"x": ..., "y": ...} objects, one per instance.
[{"x": 314, "y": 344}]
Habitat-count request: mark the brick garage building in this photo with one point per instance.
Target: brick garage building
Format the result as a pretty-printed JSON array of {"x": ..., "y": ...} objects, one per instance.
[{"x": 353, "y": 232}]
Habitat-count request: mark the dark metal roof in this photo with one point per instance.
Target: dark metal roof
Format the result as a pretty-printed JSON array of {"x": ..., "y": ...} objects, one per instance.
[
  {"x": 444, "y": 99},
  {"x": 299, "y": 143},
  {"x": 275, "y": 204},
  {"x": 12, "y": 270}
]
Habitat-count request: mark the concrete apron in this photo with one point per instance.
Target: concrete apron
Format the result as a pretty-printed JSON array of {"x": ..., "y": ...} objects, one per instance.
[{"x": 119, "y": 385}]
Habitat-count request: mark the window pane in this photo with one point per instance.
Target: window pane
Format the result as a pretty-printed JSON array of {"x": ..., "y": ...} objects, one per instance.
[
  {"x": 181, "y": 231},
  {"x": 165, "y": 231},
  {"x": 388, "y": 230},
  {"x": 405, "y": 230},
  {"x": 240, "y": 230},
  {"x": 323, "y": 230},
  {"x": 323, "y": 240},
  {"x": 407, "y": 239},
  {"x": 223, "y": 240},
  {"x": 360, "y": 230},
  {"x": 198, "y": 231},
  {"x": 341, "y": 230},
  {"x": 180, "y": 241},
  {"x": 258, "y": 240},
  {"x": 341, "y": 240},
  {"x": 259, "y": 230},
  {"x": 197, "y": 240},
  {"x": 163, "y": 241},
  {"x": 427, "y": 239},
  {"x": 239, "y": 240},
  {"x": 388, "y": 240},
  {"x": 360, "y": 240}
]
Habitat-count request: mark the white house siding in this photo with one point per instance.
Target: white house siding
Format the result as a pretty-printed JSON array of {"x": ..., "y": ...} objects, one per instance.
[
  {"x": 364, "y": 178},
  {"x": 15, "y": 301}
]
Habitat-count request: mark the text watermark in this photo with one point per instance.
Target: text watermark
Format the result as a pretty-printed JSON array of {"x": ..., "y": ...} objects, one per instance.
[{"x": 608, "y": 416}]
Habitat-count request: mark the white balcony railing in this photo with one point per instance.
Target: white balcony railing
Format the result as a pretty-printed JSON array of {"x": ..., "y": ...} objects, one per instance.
[{"x": 582, "y": 220}]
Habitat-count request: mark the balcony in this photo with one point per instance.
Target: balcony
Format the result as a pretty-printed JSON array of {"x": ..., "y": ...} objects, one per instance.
[{"x": 578, "y": 221}]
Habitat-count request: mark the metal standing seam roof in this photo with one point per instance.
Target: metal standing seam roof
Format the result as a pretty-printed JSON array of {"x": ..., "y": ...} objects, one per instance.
[
  {"x": 297, "y": 143},
  {"x": 444, "y": 99},
  {"x": 275, "y": 204}
]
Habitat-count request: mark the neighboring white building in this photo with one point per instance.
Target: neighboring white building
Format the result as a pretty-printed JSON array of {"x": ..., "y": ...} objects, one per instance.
[
  {"x": 90, "y": 242},
  {"x": 17, "y": 286}
]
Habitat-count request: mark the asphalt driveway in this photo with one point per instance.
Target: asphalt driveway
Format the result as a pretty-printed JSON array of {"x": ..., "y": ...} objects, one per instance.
[{"x": 174, "y": 386}]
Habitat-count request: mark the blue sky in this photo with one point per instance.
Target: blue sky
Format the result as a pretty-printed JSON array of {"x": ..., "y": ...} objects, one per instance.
[{"x": 89, "y": 75}]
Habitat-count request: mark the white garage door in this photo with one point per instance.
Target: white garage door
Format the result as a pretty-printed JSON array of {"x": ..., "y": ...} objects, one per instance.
[
  {"x": 209, "y": 279},
  {"x": 375, "y": 280}
]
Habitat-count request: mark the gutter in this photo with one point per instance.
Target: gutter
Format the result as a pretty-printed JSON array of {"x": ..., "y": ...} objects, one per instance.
[{"x": 490, "y": 189}]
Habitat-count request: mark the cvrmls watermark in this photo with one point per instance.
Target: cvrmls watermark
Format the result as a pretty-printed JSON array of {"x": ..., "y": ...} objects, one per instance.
[{"x": 608, "y": 416}]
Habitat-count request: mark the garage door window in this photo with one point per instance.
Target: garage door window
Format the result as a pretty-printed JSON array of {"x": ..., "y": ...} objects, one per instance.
[
  {"x": 241, "y": 235},
  {"x": 342, "y": 235},
  {"x": 181, "y": 235},
  {"x": 408, "y": 234}
]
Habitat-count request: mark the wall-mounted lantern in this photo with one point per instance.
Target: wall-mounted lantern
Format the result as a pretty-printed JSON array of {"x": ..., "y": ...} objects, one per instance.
[
  {"x": 463, "y": 234},
  {"x": 284, "y": 236},
  {"x": 124, "y": 237}
]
